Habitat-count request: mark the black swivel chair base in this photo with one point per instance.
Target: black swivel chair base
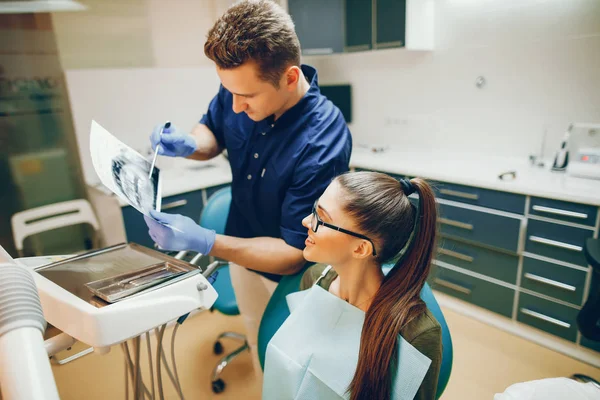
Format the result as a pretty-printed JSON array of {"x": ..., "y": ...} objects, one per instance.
[{"x": 218, "y": 385}]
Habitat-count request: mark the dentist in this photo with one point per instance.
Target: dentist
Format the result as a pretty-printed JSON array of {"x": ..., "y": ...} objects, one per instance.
[{"x": 285, "y": 143}]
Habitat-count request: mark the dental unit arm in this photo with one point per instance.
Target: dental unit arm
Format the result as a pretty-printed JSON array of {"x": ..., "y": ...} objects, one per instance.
[
  {"x": 25, "y": 371},
  {"x": 60, "y": 294}
]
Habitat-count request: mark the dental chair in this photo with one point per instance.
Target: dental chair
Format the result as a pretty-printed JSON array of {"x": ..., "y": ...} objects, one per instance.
[
  {"x": 277, "y": 311},
  {"x": 588, "y": 319},
  {"x": 214, "y": 216}
]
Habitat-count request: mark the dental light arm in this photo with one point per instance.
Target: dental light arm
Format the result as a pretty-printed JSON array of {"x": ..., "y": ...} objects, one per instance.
[{"x": 25, "y": 371}]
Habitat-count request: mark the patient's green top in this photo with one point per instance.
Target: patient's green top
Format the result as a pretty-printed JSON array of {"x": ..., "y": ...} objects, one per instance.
[{"x": 424, "y": 332}]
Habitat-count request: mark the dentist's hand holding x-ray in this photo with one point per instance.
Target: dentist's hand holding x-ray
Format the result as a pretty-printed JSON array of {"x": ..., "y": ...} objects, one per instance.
[{"x": 187, "y": 234}]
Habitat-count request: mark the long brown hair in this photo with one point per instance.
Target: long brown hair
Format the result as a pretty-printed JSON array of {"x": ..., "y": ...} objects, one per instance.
[{"x": 381, "y": 208}]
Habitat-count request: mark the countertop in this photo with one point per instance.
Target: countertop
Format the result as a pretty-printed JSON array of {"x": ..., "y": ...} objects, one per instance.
[
  {"x": 482, "y": 171},
  {"x": 187, "y": 175}
]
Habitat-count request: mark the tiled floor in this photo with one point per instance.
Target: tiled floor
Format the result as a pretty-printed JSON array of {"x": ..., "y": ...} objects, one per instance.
[{"x": 486, "y": 361}]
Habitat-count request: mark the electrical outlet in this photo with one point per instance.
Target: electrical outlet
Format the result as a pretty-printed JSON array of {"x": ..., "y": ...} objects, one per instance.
[{"x": 390, "y": 120}]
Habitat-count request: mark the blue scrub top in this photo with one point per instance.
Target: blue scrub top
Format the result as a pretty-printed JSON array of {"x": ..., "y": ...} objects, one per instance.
[{"x": 280, "y": 167}]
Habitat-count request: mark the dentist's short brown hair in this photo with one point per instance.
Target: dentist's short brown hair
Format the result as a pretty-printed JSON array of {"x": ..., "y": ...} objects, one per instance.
[{"x": 255, "y": 30}]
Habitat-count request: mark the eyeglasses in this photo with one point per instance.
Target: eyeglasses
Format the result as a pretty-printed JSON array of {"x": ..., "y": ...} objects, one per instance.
[{"x": 316, "y": 221}]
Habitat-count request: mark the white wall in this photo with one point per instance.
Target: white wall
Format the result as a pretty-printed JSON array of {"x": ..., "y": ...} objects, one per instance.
[
  {"x": 130, "y": 102},
  {"x": 541, "y": 60}
]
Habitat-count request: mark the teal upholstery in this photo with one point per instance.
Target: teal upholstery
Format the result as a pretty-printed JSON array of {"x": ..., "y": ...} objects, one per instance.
[
  {"x": 214, "y": 216},
  {"x": 277, "y": 311}
]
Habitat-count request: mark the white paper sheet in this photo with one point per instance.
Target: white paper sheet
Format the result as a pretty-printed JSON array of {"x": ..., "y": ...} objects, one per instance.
[{"x": 124, "y": 171}]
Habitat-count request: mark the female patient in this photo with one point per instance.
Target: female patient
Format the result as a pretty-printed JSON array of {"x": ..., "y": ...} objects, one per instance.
[{"x": 362, "y": 221}]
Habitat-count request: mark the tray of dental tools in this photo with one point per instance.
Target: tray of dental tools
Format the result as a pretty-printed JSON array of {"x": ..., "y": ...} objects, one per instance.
[{"x": 118, "y": 272}]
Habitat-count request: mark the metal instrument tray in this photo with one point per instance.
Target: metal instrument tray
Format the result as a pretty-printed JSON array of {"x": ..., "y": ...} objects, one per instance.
[{"x": 108, "y": 275}]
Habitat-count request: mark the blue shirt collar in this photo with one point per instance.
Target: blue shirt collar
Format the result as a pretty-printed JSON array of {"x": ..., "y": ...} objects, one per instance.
[{"x": 306, "y": 103}]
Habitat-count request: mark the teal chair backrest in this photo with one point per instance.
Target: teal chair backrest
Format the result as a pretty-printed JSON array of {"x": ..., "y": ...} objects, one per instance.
[
  {"x": 214, "y": 216},
  {"x": 277, "y": 311},
  {"x": 215, "y": 213}
]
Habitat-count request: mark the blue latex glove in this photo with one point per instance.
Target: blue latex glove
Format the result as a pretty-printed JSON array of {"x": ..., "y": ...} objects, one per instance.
[
  {"x": 191, "y": 236},
  {"x": 173, "y": 143}
]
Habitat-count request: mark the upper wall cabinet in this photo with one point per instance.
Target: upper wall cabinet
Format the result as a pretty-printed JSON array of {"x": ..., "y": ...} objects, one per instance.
[
  {"x": 390, "y": 23},
  {"x": 358, "y": 25},
  {"x": 319, "y": 25},
  {"x": 335, "y": 26}
]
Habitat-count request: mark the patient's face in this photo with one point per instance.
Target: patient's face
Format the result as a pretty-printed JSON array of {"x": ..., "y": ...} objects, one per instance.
[{"x": 327, "y": 245}]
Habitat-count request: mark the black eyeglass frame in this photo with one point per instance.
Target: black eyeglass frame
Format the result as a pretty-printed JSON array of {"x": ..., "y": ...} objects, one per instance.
[{"x": 315, "y": 227}]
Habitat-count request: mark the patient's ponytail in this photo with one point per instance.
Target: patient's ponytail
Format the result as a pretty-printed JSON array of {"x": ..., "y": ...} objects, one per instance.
[{"x": 380, "y": 206}]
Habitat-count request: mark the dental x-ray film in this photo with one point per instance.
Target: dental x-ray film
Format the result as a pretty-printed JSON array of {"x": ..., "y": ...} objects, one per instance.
[{"x": 124, "y": 171}]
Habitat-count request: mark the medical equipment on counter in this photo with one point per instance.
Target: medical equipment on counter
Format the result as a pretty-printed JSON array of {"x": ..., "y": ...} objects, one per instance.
[
  {"x": 149, "y": 290},
  {"x": 561, "y": 159},
  {"x": 586, "y": 160},
  {"x": 586, "y": 163}
]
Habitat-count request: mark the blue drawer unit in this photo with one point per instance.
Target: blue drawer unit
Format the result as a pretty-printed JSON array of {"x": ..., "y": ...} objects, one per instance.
[
  {"x": 475, "y": 226},
  {"x": 510, "y": 202},
  {"x": 565, "y": 211},
  {"x": 553, "y": 280},
  {"x": 548, "y": 316},
  {"x": 188, "y": 204},
  {"x": 560, "y": 242},
  {"x": 482, "y": 293},
  {"x": 484, "y": 261}
]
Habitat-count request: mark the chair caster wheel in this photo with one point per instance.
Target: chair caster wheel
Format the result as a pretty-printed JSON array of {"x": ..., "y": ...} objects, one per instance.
[
  {"x": 218, "y": 348},
  {"x": 218, "y": 386}
]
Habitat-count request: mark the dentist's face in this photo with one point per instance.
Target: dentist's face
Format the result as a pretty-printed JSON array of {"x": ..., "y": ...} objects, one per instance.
[
  {"x": 255, "y": 97},
  {"x": 328, "y": 246}
]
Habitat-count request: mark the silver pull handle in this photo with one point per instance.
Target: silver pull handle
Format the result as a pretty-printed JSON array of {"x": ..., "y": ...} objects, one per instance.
[
  {"x": 358, "y": 47},
  {"x": 318, "y": 51},
  {"x": 546, "y": 318},
  {"x": 550, "y": 282},
  {"x": 175, "y": 204},
  {"x": 557, "y": 211},
  {"x": 456, "y": 193},
  {"x": 387, "y": 45},
  {"x": 555, "y": 243},
  {"x": 453, "y": 286},
  {"x": 457, "y": 224},
  {"x": 456, "y": 254}
]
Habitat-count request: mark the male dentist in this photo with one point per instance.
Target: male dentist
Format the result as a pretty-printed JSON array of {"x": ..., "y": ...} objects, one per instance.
[{"x": 285, "y": 142}]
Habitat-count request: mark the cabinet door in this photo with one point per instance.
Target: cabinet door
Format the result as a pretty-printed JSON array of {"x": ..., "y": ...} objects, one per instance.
[
  {"x": 359, "y": 25},
  {"x": 390, "y": 23},
  {"x": 319, "y": 25}
]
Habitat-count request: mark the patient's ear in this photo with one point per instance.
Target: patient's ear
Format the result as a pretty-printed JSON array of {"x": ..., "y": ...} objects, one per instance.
[{"x": 364, "y": 249}]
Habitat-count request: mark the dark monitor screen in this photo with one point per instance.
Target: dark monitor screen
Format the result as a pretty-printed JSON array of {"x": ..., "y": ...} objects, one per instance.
[{"x": 341, "y": 96}]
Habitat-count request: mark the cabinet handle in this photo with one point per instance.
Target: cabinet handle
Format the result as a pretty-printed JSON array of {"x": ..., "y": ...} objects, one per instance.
[
  {"x": 456, "y": 254},
  {"x": 175, "y": 204},
  {"x": 457, "y": 224},
  {"x": 453, "y": 286},
  {"x": 385, "y": 45},
  {"x": 318, "y": 51},
  {"x": 550, "y": 282},
  {"x": 546, "y": 318},
  {"x": 358, "y": 47},
  {"x": 558, "y": 211},
  {"x": 555, "y": 243},
  {"x": 456, "y": 193}
]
